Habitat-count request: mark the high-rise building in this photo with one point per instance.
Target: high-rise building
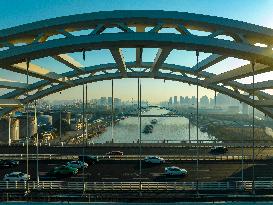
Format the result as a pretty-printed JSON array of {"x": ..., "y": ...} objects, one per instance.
[
  {"x": 109, "y": 101},
  {"x": 192, "y": 101},
  {"x": 181, "y": 100},
  {"x": 117, "y": 102},
  {"x": 225, "y": 101},
  {"x": 187, "y": 100},
  {"x": 204, "y": 101},
  {"x": 170, "y": 101},
  {"x": 103, "y": 101},
  {"x": 212, "y": 102},
  {"x": 175, "y": 100}
]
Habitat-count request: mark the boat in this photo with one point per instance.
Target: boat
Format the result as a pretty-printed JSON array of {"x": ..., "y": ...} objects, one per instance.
[
  {"x": 203, "y": 129},
  {"x": 153, "y": 121},
  {"x": 148, "y": 129}
]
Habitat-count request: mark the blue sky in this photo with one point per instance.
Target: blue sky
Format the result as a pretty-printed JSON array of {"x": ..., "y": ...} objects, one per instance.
[{"x": 16, "y": 12}]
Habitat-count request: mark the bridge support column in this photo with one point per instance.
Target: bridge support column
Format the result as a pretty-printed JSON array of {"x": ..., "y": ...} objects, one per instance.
[
  {"x": 197, "y": 124},
  {"x": 140, "y": 126},
  {"x": 37, "y": 144},
  {"x": 27, "y": 118}
]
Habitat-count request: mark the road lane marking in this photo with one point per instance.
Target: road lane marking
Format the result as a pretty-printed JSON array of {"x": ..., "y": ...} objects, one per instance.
[
  {"x": 42, "y": 173},
  {"x": 264, "y": 177},
  {"x": 77, "y": 177}
]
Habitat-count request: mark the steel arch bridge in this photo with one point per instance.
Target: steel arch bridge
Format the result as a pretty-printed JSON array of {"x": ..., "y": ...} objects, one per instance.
[{"x": 136, "y": 29}]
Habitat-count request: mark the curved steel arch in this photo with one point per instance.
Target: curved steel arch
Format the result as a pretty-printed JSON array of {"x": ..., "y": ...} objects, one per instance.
[
  {"x": 109, "y": 76},
  {"x": 133, "y": 40},
  {"x": 139, "y": 29},
  {"x": 28, "y": 32}
]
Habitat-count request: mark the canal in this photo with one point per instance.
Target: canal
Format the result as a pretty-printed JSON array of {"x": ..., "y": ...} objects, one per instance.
[{"x": 167, "y": 128}]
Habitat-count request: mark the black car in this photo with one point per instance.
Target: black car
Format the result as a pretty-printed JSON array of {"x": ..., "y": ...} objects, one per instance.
[
  {"x": 218, "y": 150},
  {"x": 8, "y": 163},
  {"x": 89, "y": 159}
]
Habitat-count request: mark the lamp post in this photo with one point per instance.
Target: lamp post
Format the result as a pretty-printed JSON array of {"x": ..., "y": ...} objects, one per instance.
[
  {"x": 112, "y": 111},
  {"x": 60, "y": 128},
  {"x": 189, "y": 129},
  {"x": 86, "y": 124},
  {"x": 190, "y": 116},
  {"x": 197, "y": 124},
  {"x": 9, "y": 130}
]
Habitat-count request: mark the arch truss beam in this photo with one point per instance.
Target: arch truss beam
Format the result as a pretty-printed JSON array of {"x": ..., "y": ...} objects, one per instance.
[{"x": 138, "y": 30}]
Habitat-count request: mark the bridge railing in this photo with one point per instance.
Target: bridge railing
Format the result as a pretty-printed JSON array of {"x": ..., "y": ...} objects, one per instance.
[
  {"x": 158, "y": 143},
  {"x": 136, "y": 186},
  {"x": 189, "y": 157}
]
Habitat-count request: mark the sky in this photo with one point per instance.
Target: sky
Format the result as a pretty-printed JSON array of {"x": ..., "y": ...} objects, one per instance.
[{"x": 16, "y": 12}]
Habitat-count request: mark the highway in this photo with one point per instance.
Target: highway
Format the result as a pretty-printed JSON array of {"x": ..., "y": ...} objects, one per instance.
[
  {"x": 128, "y": 170},
  {"x": 225, "y": 167}
]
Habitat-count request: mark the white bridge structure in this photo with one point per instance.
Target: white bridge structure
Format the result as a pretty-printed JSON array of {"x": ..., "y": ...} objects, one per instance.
[{"x": 55, "y": 38}]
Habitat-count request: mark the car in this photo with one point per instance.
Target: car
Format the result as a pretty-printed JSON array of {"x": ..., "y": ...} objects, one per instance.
[
  {"x": 16, "y": 176},
  {"x": 63, "y": 170},
  {"x": 154, "y": 160},
  {"x": 89, "y": 159},
  {"x": 175, "y": 171},
  {"x": 77, "y": 164},
  {"x": 8, "y": 163},
  {"x": 218, "y": 150},
  {"x": 114, "y": 153}
]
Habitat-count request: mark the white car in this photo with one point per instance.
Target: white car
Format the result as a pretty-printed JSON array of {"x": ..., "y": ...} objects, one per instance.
[
  {"x": 77, "y": 164},
  {"x": 16, "y": 176},
  {"x": 175, "y": 171},
  {"x": 154, "y": 160}
]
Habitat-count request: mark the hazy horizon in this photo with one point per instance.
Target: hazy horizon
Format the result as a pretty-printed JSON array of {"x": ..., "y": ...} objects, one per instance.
[{"x": 161, "y": 92}]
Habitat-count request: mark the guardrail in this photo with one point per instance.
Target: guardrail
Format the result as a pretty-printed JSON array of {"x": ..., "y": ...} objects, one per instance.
[
  {"x": 136, "y": 186},
  {"x": 158, "y": 143},
  {"x": 137, "y": 157}
]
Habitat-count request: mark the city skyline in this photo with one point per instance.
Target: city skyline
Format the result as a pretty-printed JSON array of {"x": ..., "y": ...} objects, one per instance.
[{"x": 120, "y": 90}]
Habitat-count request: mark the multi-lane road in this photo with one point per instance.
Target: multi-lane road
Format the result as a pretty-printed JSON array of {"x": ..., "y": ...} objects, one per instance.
[{"x": 129, "y": 170}]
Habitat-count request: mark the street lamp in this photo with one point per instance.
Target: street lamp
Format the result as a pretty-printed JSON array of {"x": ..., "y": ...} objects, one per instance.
[
  {"x": 60, "y": 128},
  {"x": 9, "y": 129},
  {"x": 190, "y": 116}
]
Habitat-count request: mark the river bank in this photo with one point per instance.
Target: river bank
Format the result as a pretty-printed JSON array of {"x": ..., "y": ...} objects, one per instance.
[{"x": 167, "y": 129}]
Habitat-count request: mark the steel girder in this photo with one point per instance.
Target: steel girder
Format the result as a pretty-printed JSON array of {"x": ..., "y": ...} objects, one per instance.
[
  {"x": 132, "y": 40},
  {"x": 100, "y": 20},
  {"x": 109, "y": 76},
  {"x": 139, "y": 29}
]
